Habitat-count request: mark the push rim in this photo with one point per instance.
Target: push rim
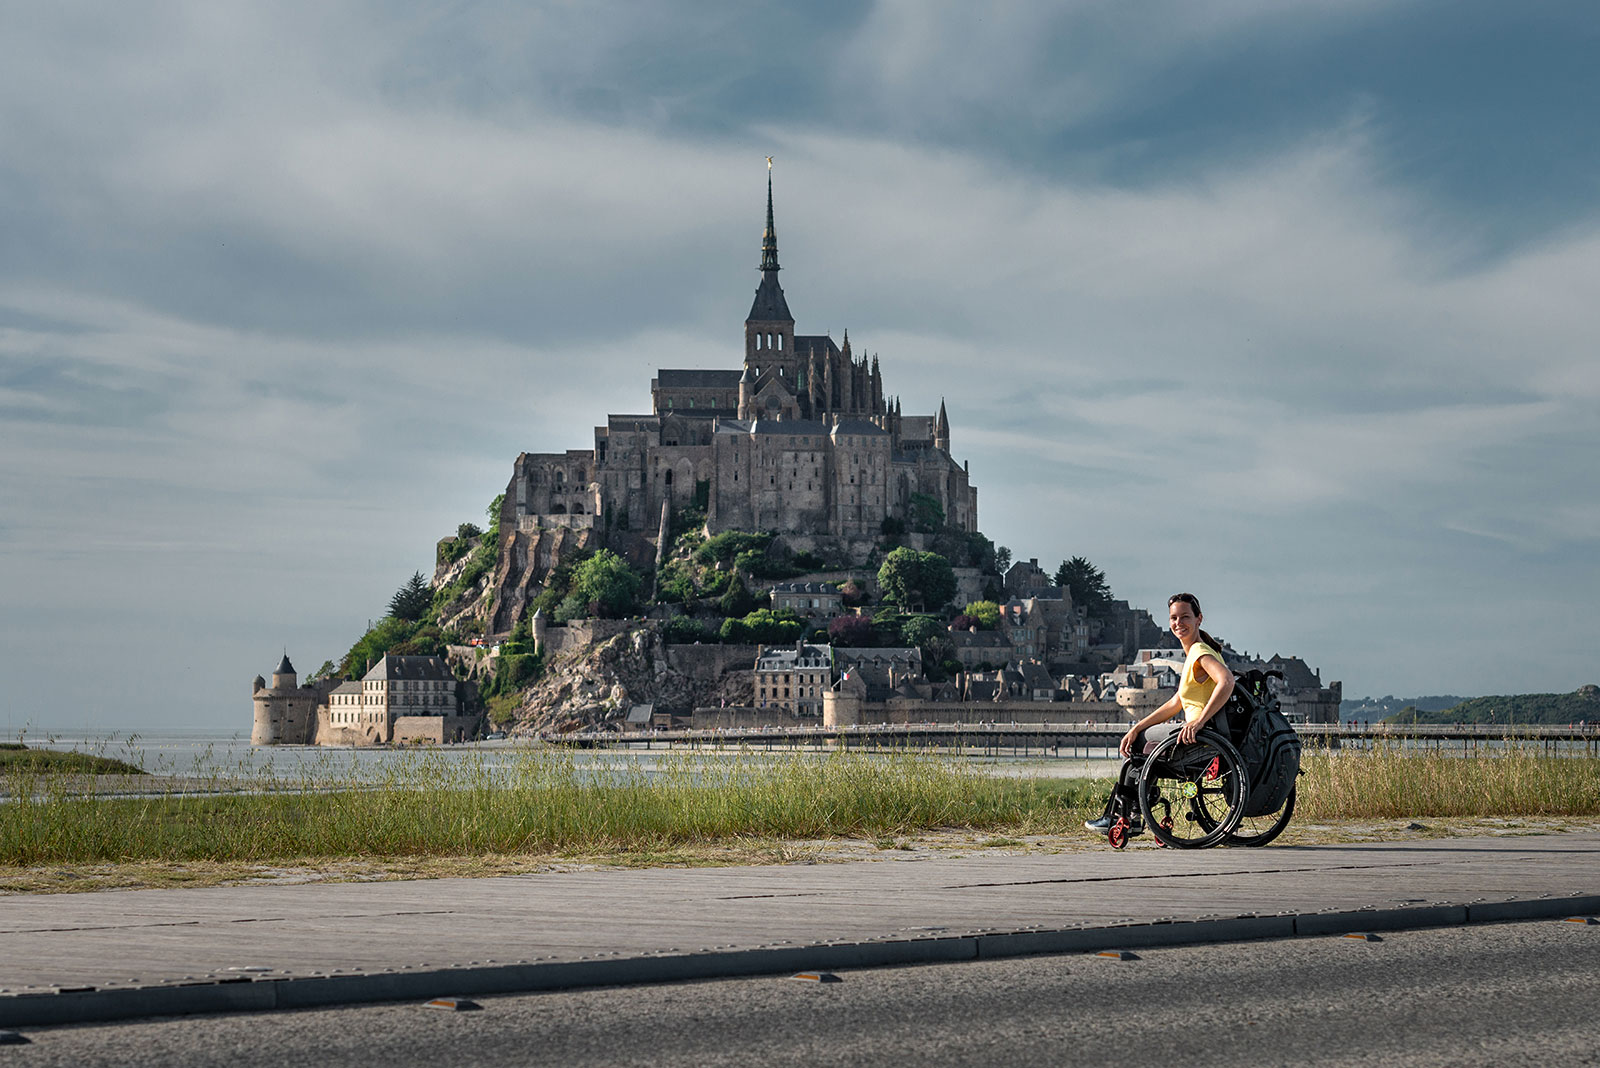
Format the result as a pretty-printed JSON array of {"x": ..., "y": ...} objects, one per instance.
[{"x": 1198, "y": 789}]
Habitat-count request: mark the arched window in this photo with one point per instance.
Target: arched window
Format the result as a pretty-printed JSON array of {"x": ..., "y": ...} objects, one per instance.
[
  {"x": 577, "y": 509},
  {"x": 561, "y": 476},
  {"x": 780, "y": 342},
  {"x": 558, "y": 509},
  {"x": 668, "y": 477}
]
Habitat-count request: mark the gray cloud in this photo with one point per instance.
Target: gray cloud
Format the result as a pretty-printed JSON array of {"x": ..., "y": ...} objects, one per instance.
[{"x": 290, "y": 287}]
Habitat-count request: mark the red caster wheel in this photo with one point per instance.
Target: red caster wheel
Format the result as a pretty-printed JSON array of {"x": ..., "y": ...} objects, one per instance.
[{"x": 1118, "y": 834}]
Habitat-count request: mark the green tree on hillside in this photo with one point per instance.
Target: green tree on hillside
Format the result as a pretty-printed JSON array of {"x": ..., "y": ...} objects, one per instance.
[
  {"x": 922, "y": 631},
  {"x": 916, "y": 580},
  {"x": 1086, "y": 582},
  {"x": 411, "y": 601},
  {"x": 606, "y": 584},
  {"x": 986, "y": 614}
]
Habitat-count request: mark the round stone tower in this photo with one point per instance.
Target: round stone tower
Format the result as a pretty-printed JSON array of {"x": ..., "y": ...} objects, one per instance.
[{"x": 285, "y": 714}]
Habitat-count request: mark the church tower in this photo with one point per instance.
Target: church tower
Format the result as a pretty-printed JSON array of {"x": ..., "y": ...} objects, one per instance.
[{"x": 769, "y": 329}]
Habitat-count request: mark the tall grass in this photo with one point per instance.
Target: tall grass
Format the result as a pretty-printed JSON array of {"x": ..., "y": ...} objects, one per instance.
[
  {"x": 428, "y": 803},
  {"x": 1389, "y": 782},
  {"x": 424, "y": 804}
]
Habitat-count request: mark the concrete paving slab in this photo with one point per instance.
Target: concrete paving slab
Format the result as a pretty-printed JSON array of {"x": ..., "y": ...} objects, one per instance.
[{"x": 126, "y": 953}]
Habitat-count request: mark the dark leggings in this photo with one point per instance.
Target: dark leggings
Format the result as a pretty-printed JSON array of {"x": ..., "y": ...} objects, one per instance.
[{"x": 1128, "y": 777}]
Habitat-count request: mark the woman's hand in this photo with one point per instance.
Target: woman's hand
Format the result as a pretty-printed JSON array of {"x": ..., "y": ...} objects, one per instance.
[
  {"x": 1189, "y": 732},
  {"x": 1125, "y": 747}
]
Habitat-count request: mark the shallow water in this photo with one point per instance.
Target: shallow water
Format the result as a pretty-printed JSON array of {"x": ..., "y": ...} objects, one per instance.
[{"x": 229, "y": 754}]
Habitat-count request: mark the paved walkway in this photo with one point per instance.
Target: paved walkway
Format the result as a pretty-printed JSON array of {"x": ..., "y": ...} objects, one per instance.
[{"x": 114, "y": 954}]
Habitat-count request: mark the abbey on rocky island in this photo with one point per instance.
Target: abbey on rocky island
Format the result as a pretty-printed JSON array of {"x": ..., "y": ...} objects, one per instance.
[{"x": 803, "y": 440}]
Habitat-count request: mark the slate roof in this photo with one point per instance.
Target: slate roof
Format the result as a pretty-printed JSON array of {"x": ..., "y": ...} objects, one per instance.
[
  {"x": 284, "y": 667},
  {"x": 786, "y": 657},
  {"x": 804, "y": 587},
  {"x": 859, "y": 426},
  {"x": 983, "y": 639},
  {"x": 769, "y": 305},
  {"x": 674, "y": 378},
  {"x": 1035, "y": 677},
  {"x": 411, "y": 667},
  {"x": 804, "y": 343},
  {"x": 886, "y": 654},
  {"x": 813, "y": 427}
]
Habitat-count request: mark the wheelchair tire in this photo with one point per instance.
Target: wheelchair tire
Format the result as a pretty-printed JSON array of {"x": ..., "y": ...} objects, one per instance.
[
  {"x": 1259, "y": 830},
  {"x": 1202, "y": 787},
  {"x": 1117, "y": 836}
]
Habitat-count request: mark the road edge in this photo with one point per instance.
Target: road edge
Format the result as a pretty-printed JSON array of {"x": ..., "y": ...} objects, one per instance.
[{"x": 250, "y": 994}]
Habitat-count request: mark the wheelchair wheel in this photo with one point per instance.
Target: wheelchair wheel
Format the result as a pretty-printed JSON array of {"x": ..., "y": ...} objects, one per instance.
[
  {"x": 1259, "y": 830},
  {"x": 1118, "y": 834},
  {"x": 1200, "y": 788}
]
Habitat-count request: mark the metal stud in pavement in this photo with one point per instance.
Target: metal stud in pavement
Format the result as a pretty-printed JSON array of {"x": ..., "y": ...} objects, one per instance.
[{"x": 452, "y": 1004}]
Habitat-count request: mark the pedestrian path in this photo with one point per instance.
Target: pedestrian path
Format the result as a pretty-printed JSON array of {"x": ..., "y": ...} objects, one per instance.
[{"x": 112, "y": 954}]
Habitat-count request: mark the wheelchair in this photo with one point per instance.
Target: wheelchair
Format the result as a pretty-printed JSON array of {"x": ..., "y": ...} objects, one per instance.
[{"x": 1193, "y": 796}]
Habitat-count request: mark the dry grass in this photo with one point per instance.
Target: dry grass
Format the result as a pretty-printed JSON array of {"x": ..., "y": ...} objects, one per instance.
[
  {"x": 428, "y": 806},
  {"x": 1391, "y": 783},
  {"x": 429, "y": 817}
]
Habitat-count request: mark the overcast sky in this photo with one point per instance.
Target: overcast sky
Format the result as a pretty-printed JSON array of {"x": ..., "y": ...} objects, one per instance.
[{"x": 1290, "y": 305}]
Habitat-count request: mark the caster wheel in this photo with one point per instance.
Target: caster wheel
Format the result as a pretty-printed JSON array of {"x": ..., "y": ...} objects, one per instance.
[
  {"x": 1118, "y": 834},
  {"x": 1166, "y": 824}
]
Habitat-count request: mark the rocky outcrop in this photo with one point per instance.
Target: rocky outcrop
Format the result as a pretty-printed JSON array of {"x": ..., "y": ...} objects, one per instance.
[
  {"x": 526, "y": 559},
  {"x": 596, "y": 684}
]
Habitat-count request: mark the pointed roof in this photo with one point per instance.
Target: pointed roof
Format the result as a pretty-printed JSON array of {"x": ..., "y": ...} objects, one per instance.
[
  {"x": 284, "y": 667},
  {"x": 942, "y": 427},
  {"x": 769, "y": 305}
]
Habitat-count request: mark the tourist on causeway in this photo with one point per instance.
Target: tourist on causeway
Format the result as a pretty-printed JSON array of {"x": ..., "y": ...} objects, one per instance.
[{"x": 1203, "y": 691}]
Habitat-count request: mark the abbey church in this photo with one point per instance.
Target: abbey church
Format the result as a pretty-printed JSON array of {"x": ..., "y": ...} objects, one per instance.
[{"x": 803, "y": 439}]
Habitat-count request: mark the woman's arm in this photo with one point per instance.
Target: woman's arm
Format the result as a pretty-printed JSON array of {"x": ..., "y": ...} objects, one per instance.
[
  {"x": 1214, "y": 669},
  {"x": 1168, "y": 709}
]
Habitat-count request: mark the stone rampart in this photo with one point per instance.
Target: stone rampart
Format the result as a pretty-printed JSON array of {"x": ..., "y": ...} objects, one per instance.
[
  {"x": 584, "y": 632},
  {"x": 434, "y": 730},
  {"x": 710, "y": 661},
  {"x": 743, "y": 716},
  {"x": 330, "y": 733}
]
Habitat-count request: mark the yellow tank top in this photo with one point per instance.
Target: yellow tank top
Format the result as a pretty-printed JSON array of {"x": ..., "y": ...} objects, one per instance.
[{"x": 1193, "y": 693}]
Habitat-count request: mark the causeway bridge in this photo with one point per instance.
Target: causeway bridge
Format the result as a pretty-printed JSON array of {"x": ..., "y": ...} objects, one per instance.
[{"x": 1081, "y": 739}]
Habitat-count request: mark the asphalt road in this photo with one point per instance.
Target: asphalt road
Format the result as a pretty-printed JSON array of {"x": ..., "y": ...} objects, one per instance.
[{"x": 1478, "y": 995}]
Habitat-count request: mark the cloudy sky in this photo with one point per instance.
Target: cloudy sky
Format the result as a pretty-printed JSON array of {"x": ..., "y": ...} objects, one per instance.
[{"x": 1290, "y": 305}]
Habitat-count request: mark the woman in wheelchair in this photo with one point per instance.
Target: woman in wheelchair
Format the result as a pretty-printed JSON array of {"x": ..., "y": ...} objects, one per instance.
[{"x": 1203, "y": 692}]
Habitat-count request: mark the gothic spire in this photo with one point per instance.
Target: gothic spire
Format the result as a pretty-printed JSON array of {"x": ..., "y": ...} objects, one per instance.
[
  {"x": 769, "y": 305},
  {"x": 769, "y": 239}
]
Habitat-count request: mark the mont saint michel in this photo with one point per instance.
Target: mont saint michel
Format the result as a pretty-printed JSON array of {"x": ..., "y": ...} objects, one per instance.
[{"x": 777, "y": 542}]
